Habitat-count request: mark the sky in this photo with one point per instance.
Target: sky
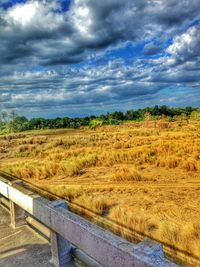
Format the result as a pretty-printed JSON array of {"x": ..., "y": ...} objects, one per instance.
[{"x": 86, "y": 57}]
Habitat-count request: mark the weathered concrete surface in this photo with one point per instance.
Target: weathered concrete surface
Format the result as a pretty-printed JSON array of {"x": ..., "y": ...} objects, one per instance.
[
  {"x": 17, "y": 214},
  {"x": 22, "y": 247},
  {"x": 60, "y": 248}
]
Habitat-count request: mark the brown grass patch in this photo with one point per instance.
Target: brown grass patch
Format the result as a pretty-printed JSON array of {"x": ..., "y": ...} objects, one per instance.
[{"x": 145, "y": 177}]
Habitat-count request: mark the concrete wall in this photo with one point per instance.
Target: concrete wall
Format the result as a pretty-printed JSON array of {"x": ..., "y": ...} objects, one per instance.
[{"x": 104, "y": 247}]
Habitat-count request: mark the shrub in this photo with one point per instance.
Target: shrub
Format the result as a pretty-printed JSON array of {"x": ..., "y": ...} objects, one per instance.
[{"x": 95, "y": 123}]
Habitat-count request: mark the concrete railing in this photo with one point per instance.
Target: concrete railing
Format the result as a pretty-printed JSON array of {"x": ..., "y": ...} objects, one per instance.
[{"x": 69, "y": 230}]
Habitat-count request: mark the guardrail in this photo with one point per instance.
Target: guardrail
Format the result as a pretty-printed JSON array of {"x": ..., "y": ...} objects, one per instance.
[{"x": 69, "y": 230}]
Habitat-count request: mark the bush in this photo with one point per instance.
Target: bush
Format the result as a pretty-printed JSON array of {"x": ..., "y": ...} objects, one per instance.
[{"x": 95, "y": 123}]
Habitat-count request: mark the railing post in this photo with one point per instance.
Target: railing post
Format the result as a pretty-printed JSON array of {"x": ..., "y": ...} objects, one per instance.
[
  {"x": 60, "y": 247},
  {"x": 17, "y": 215}
]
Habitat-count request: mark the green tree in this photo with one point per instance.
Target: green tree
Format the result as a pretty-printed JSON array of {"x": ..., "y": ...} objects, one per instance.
[{"x": 95, "y": 123}]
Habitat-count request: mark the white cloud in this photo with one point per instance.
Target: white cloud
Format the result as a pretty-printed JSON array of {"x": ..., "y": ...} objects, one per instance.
[
  {"x": 186, "y": 45},
  {"x": 23, "y": 14}
]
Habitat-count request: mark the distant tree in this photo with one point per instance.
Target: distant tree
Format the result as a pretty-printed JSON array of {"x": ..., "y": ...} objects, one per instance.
[
  {"x": 4, "y": 116},
  {"x": 130, "y": 115},
  {"x": 17, "y": 124},
  {"x": 11, "y": 122},
  {"x": 117, "y": 115},
  {"x": 155, "y": 111},
  {"x": 188, "y": 110},
  {"x": 13, "y": 115},
  {"x": 95, "y": 123}
]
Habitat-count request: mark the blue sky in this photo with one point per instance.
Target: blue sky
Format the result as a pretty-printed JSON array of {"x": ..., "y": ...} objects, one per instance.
[{"x": 77, "y": 58}]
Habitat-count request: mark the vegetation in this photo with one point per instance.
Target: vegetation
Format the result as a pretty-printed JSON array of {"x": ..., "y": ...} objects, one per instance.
[
  {"x": 137, "y": 178},
  {"x": 15, "y": 123}
]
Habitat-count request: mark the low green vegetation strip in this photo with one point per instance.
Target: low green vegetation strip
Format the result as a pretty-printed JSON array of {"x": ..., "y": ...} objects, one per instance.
[{"x": 12, "y": 122}]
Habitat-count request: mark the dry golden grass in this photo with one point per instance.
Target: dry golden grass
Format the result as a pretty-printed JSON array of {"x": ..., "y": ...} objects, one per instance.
[
  {"x": 125, "y": 174},
  {"x": 137, "y": 179}
]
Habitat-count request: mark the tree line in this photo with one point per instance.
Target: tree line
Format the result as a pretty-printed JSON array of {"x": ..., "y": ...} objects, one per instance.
[{"x": 12, "y": 122}]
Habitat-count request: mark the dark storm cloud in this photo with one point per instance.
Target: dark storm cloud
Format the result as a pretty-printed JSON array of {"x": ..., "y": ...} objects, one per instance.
[
  {"x": 41, "y": 35},
  {"x": 174, "y": 13}
]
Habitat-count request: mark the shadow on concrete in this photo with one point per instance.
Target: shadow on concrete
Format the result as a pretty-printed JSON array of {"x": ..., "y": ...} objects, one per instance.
[{"x": 28, "y": 255}]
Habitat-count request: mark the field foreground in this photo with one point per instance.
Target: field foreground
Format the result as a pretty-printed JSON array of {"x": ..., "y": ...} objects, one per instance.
[{"x": 138, "y": 179}]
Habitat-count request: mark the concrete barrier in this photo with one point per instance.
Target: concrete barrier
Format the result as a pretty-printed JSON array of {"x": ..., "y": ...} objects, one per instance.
[
  {"x": 103, "y": 247},
  {"x": 39, "y": 227}
]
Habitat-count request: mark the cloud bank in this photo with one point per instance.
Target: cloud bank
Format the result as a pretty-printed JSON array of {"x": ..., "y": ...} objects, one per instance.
[{"x": 77, "y": 57}]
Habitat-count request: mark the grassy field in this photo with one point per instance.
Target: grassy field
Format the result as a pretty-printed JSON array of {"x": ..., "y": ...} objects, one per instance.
[{"x": 138, "y": 179}]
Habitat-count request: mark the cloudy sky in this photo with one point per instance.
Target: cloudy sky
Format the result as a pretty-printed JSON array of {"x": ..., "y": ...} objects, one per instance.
[{"x": 83, "y": 57}]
